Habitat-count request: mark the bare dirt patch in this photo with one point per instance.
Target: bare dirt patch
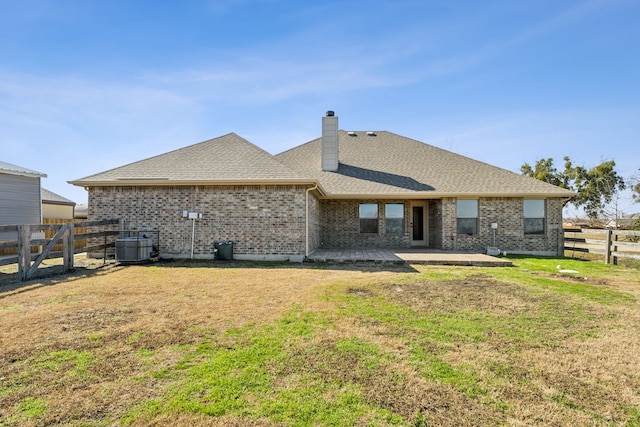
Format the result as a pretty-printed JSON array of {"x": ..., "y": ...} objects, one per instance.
[
  {"x": 363, "y": 292},
  {"x": 476, "y": 292},
  {"x": 393, "y": 386}
]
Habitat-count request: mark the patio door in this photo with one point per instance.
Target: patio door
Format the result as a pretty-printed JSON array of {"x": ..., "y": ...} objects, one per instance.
[{"x": 419, "y": 224}]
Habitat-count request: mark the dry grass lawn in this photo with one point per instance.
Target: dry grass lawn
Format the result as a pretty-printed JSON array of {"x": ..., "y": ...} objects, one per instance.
[{"x": 205, "y": 343}]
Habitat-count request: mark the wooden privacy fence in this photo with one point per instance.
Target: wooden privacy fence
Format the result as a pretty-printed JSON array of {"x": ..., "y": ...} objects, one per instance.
[
  {"x": 78, "y": 243},
  {"x": 64, "y": 237},
  {"x": 611, "y": 244},
  {"x": 78, "y": 228}
]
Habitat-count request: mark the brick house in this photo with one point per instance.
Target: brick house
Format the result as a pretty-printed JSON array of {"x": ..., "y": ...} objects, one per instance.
[{"x": 344, "y": 189}]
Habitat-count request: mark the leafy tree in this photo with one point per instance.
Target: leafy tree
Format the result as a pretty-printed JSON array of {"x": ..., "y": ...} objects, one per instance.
[
  {"x": 544, "y": 170},
  {"x": 596, "y": 188}
]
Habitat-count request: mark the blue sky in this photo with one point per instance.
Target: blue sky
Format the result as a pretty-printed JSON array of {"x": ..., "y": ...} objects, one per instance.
[{"x": 86, "y": 86}]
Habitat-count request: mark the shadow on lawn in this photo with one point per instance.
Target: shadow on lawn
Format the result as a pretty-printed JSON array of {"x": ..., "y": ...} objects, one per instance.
[
  {"x": 10, "y": 283},
  {"x": 341, "y": 266},
  {"x": 52, "y": 275}
]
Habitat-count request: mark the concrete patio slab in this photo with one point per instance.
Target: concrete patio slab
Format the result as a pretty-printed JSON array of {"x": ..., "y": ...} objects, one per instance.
[{"x": 407, "y": 256}]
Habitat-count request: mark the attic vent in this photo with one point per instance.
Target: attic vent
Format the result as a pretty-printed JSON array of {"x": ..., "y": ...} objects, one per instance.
[
  {"x": 371, "y": 133},
  {"x": 351, "y": 133}
]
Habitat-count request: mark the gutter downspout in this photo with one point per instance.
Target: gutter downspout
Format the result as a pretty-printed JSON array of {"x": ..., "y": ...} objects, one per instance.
[{"x": 306, "y": 219}]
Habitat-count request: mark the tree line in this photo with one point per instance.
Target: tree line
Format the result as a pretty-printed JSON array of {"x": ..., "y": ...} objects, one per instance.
[{"x": 597, "y": 189}]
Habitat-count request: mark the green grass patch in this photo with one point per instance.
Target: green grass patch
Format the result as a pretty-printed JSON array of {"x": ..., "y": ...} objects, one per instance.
[
  {"x": 31, "y": 408},
  {"x": 591, "y": 292},
  {"x": 321, "y": 403},
  {"x": 633, "y": 413},
  {"x": 433, "y": 368},
  {"x": 72, "y": 363},
  {"x": 274, "y": 372},
  {"x": 6, "y": 389},
  {"x": 146, "y": 410}
]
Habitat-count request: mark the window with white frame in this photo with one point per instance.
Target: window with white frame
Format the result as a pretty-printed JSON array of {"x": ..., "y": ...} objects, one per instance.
[
  {"x": 534, "y": 216},
  {"x": 368, "y": 217},
  {"x": 394, "y": 218},
  {"x": 467, "y": 214}
]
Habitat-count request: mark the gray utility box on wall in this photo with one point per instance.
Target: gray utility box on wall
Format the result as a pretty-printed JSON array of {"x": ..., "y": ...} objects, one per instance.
[{"x": 134, "y": 249}]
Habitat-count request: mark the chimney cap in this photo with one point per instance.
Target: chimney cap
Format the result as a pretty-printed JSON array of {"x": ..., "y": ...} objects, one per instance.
[{"x": 330, "y": 113}]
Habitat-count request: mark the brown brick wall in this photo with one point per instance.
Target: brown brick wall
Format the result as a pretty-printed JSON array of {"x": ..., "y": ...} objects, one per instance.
[
  {"x": 314, "y": 223},
  {"x": 260, "y": 220},
  {"x": 340, "y": 225},
  {"x": 510, "y": 237},
  {"x": 271, "y": 220}
]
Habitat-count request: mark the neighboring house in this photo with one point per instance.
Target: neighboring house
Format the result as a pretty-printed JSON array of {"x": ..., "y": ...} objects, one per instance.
[
  {"x": 55, "y": 206},
  {"x": 625, "y": 222},
  {"x": 343, "y": 190},
  {"x": 81, "y": 211},
  {"x": 20, "y": 197}
]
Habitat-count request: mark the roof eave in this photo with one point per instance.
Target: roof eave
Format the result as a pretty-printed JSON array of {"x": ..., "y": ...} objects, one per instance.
[
  {"x": 165, "y": 182},
  {"x": 23, "y": 173},
  {"x": 58, "y": 202},
  {"x": 440, "y": 195}
]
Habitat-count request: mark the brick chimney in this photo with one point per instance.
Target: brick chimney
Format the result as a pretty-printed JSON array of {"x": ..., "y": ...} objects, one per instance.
[{"x": 330, "y": 142}]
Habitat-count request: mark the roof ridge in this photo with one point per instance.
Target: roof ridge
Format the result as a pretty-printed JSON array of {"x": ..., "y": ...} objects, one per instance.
[
  {"x": 392, "y": 164},
  {"x": 157, "y": 156},
  {"x": 226, "y": 158},
  {"x": 298, "y": 146}
]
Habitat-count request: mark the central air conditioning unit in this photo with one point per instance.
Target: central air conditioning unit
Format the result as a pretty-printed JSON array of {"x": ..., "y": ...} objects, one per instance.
[{"x": 134, "y": 249}]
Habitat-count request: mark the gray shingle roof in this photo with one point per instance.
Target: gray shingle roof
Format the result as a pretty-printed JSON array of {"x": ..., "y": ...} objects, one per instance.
[
  {"x": 384, "y": 165},
  {"x": 392, "y": 165},
  {"x": 227, "y": 159},
  {"x": 53, "y": 198}
]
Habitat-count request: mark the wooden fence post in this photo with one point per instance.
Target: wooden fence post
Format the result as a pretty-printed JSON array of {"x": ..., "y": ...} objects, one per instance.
[
  {"x": 615, "y": 249},
  {"x": 561, "y": 242},
  {"x": 607, "y": 248},
  {"x": 68, "y": 247},
  {"x": 24, "y": 250}
]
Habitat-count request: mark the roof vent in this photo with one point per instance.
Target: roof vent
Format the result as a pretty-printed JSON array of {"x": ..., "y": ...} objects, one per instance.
[
  {"x": 330, "y": 113},
  {"x": 370, "y": 133},
  {"x": 352, "y": 133}
]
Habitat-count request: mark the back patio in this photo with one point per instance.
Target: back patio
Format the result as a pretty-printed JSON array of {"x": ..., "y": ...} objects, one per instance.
[{"x": 407, "y": 256}]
